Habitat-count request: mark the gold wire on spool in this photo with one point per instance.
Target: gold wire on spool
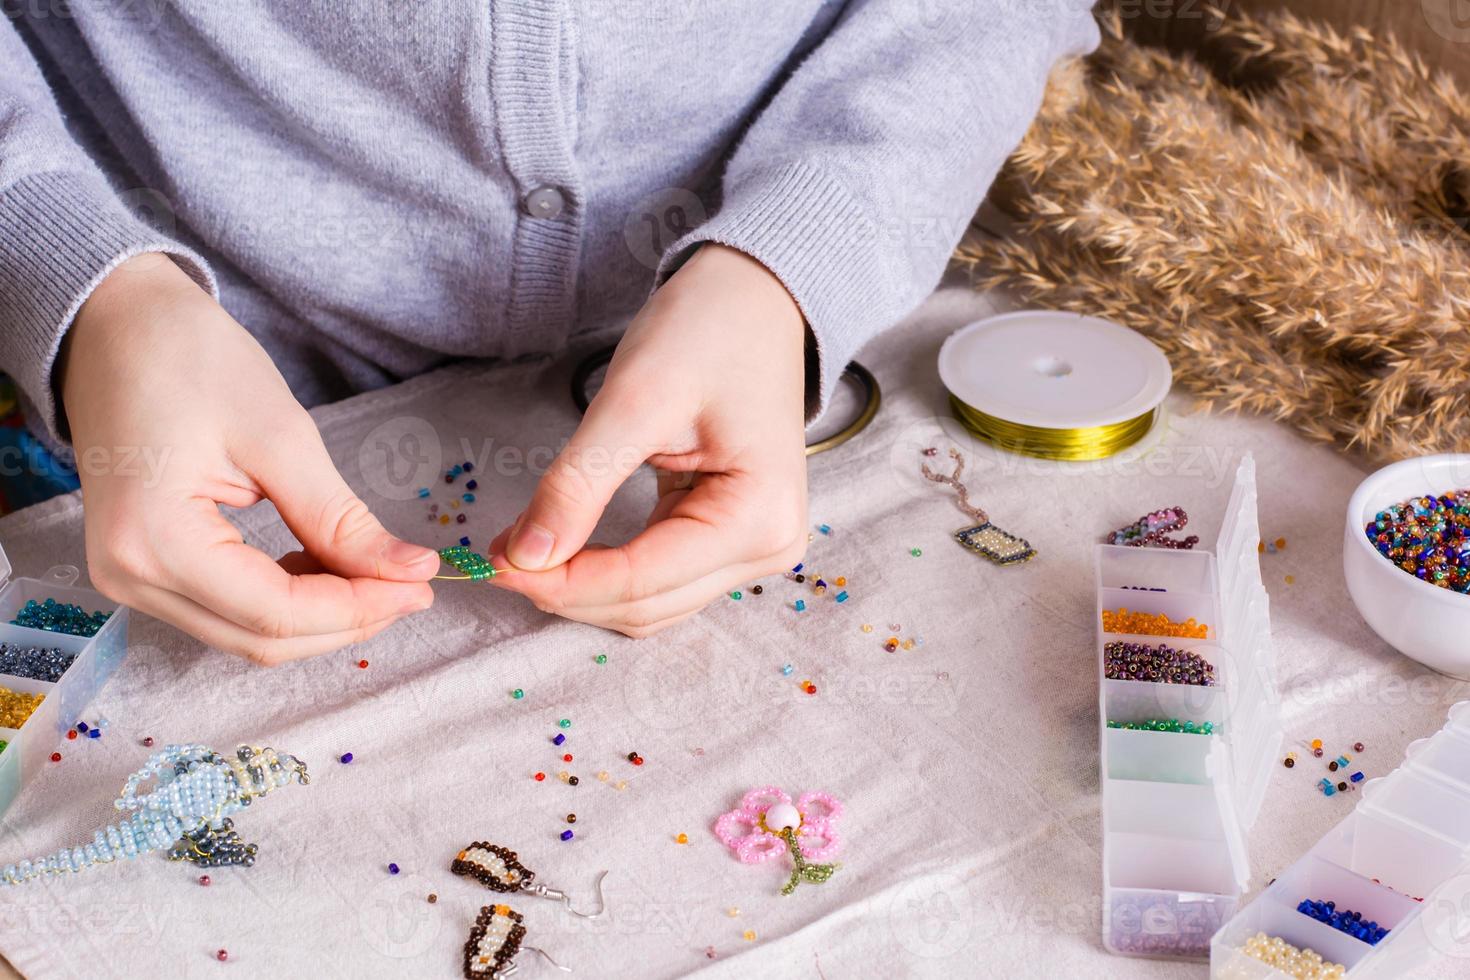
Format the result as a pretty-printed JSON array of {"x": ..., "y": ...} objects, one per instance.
[{"x": 1073, "y": 445}]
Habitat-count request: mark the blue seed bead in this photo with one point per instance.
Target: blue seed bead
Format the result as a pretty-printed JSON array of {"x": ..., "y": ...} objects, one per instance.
[
  {"x": 346, "y": 758},
  {"x": 82, "y": 727},
  {"x": 392, "y": 868},
  {"x": 799, "y": 567},
  {"x": 95, "y": 733},
  {"x": 842, "y": 596},
  {"x": 566, "y": 835},
  {"x": 560, "y": 738},
  {"x": 800, "y": 605},
  {"x": 468, "y": 466},
  {"x": 824, "y": 529},
  {"x": 1356, "y": 777},
  {"x": 472, "y": 485},
  {"x": 787, "y": 669},
  {"x": 464, "y": 542},
  {"x": 468, "y": 498},
  {"x": 423, "y": 492}
]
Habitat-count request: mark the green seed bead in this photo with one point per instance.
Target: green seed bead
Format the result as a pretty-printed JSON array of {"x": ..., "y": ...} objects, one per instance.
[
  {"x": 737, "y": 595},
  {"x": 517, "y": 694},
  {"x": 565, "y": 723},
  {"x": 602, "y": 658}
]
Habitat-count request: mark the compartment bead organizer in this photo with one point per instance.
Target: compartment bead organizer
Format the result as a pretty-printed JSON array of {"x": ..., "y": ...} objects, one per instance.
[
  {"x": 17, "y": 706},
  {"x": 1286, "y": 960},
  {"x": 196, "y": 791},
  {"x": 1383, "y": 889},
  {"x": 1189, "y": 732}
]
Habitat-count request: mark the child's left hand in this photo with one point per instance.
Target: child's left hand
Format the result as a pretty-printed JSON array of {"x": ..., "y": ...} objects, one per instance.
[{"x": 707, "y": 386}]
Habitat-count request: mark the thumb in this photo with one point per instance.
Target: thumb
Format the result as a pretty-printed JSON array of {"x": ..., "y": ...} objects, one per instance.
[
  {"x": 603, "y": 452},
  {"x": 332, "y": 523}
]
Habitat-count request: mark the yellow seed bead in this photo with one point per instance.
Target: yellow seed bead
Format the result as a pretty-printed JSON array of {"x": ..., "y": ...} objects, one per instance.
[
  {"x": 733, "y": 911},
  {"x": 621, "y": 785},
  {"x": 908, "y": 644},
  {"x": 681, "y": 839},
  {"x": 841, "y": 580},
  {"x": 867, "y": 627},
  {"x": 749, "y": 935},
  {"x": 602, "y": 776}
]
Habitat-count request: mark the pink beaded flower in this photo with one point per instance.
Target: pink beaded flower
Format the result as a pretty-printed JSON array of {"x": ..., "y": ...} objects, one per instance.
[{"x": 767, "y": 823}]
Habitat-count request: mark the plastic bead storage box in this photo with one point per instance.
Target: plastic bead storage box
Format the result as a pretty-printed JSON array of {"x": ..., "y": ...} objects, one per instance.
[
  {"x": 29, "y": 748},
  {"x": 1401, "y": 859},
  {"x": 1176, "y": 804}
]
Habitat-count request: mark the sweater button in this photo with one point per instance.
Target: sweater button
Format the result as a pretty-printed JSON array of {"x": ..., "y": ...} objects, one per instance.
[{"x": 544, "y": 202}]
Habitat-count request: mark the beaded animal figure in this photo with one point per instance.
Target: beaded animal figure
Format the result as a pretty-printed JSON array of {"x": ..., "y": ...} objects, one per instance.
[{"x": 187, "y": 812}]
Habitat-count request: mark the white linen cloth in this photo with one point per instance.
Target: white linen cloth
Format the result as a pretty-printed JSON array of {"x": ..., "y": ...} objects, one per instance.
[{"x": 969, "y": 765}]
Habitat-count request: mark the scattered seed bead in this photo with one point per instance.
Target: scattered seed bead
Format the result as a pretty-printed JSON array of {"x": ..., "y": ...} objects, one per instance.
[
  {"x": 749, "y": 935},
  {"x": 539, "y": 777},
  {"x": 464, "y": 542},
  {"x": 1356, "y": 777},
  {"x": 55, "y": 756},
  {"x": 567, "y": 757},
  {"x": 635, "y": 758},
  {"x": 1317, "y": 753},
  {"x": 1290, "y": 760},
  {"x": 362, "y": 665},
  {"x": 559, "y": 739},
  {"x": 810, "y": 688},
  {"x": 602, "y": 658},
  {"x": 733, "y": 911},
  {"x": 567, "y": 835},
  {"x": 564, "y": 776},
  {"x": 571, "y": 818},
  {"x": 94, "y": 733},
  {"x": 709, "y": 952},
  {"x": 799, "y": 605},
  {"x": 908, "y": 644},
  {"x": 1291, "y": 580},
  {"x": 71, "y": 735},
  {"x": 346, "y": 758},
  {"x": 621, "y": 785},
  {"x": 573, "y": 780},
  {"x": 472, "y": 485},
  {"x": 565, "y": 723},
  {"x": 204, "y": 880},
  {"x": 392, "y": 868},
  {"x": 602, "y": 776},
  {"x": 1357, "y": 746},
  {"x": 433, "y": 899},
  {"x": 222, "y": 955},
  {"x": 518, "y": 694},
  {"x": 757, "y": 589},
  {"x": 891, "y": 644},
  {"x": 867, "y": 627},
  {"x": 681, "y": 839},
  {"x": 800, "y": 578},
  {"x": 736, "y": 595},
  {"x": 840, "y": 581},
  {"x": 148, "y": 741},
  {"x": 1316, "y": 743},
  {"x": 459, "y": 519},
  {"x": 423, "y": 492},
  {"x": 1332, "y": 766},
  {"x": 786, "y": 670}
]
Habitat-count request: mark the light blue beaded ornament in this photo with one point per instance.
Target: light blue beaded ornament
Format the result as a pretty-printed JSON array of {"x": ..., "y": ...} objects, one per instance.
[{"x": 195, "y": 793}]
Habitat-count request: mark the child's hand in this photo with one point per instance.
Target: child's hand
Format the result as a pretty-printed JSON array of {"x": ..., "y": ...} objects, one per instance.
[
  {"x": 707, "y": 386},
  {"x": 175, "y": 410}
]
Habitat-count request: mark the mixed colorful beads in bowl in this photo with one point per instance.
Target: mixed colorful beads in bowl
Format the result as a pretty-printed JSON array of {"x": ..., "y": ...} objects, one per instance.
[{"x": 1406, "y": 558}]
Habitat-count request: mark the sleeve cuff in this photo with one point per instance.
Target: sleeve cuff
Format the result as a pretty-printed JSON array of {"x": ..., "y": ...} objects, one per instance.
[
  {"x": 61, "y": 234},
  {"x": 810, "y": 232}
]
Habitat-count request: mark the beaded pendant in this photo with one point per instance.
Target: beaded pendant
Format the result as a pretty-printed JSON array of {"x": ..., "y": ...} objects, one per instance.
[
  {"x": 493, "y": 944},
  {"x": 210, "y": 847},
  {"x": 983, "y": 538},
  {"x": 493, "y": 866},
  {"x": 999, "y": 546}
]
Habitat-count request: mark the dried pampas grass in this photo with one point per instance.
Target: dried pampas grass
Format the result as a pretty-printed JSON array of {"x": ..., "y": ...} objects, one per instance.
[{"x": 1284, "y": 213}]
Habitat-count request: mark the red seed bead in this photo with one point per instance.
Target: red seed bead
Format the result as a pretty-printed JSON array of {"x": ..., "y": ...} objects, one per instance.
[
  {"x": 204, "y": 880},
  {"x": 362, "y": 664},
  {"x": 55, "y": 756},
  {"x": 567, "y": 757},
  {"x": 1357, "y": 746},
  {"x": 71, "y": 734},
  {"x": 222, "y": 955},
  {"x": 148, "y": 741},
  {"x": 811, "y": 689},
  {"x": 540, "y": 777}
]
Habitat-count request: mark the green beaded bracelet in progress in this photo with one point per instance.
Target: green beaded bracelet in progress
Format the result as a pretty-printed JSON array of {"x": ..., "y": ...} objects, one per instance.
[{"x": 475, "y": 566}]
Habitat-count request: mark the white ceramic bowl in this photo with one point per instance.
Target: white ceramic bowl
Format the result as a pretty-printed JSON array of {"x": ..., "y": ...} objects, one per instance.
[{"x": 1422, "y": 621}]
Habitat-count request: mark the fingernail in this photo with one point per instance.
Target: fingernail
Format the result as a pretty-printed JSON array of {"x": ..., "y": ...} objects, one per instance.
[
  {"x": 408, "y": 555},
  {"x": 530, "y": 547}
]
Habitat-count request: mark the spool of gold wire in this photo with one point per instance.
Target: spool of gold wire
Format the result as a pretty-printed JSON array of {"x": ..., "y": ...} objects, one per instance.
[
  {"x": 1076, "y": 445},
  {"x": 1054, "y": 385}
]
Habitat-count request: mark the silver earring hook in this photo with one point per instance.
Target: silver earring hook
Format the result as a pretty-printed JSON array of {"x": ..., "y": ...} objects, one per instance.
[{"x": 556, "y": 894}]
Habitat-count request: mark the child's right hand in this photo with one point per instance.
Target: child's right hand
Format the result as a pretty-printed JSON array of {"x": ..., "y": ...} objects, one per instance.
[{"x": 175, "y": 410}]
